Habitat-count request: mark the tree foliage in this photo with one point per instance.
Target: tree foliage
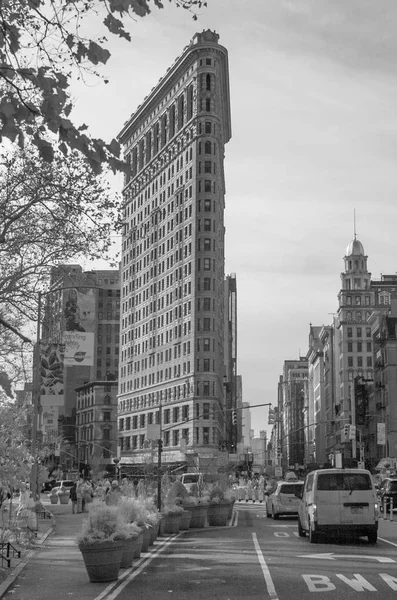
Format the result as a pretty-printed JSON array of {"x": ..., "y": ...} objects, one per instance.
[
  {"x": 51, "y": 213},
  {"x": 42, "y": 44},
  {"x": 15, "y": 457}
]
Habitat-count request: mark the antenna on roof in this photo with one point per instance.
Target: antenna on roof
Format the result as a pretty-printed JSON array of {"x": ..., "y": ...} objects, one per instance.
[{"x": 354, "y": 221}]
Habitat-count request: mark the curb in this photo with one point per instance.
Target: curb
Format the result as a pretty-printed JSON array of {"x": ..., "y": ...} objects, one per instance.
[{"x": 10, "y": 579}]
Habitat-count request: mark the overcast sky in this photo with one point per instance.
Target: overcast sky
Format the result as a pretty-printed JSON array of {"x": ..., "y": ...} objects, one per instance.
[{"x": 314, "y": 123}]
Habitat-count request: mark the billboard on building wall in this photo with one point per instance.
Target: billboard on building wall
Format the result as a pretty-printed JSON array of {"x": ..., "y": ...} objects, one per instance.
[
  {"x": 79, "y": 348},
  {"x": 49, "y": 419},
  {"x": 51, "y": 375},
  {"x": 79, "y": 310}
]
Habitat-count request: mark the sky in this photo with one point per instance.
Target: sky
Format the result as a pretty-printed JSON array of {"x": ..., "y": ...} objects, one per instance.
[{"x": 314, "y": 121}]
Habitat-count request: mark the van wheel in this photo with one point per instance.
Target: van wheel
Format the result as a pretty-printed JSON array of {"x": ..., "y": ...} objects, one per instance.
[
  {"x": 274, "y": 515},
  {"x": 268, "y": 514},
  {"x": 313, "y": 536},
  {"x": 372, "y": 537},
  {"x": 301, "y": 532}
]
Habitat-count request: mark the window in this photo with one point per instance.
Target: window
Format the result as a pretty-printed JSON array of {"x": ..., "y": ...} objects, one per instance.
[
  {"x": 207, "y": 264},
  {"x": 358, "y": 300},
  {"x": 358, "y": 316},
  {"x": 349, "y": 300},
  {"x": 207, "y": 147},
  {"x": 359, "y": 361},
  {"x": 208, "y": 127},
  {"x": 206, "y": 324},
  {"x": 185, "y": 412},
  {"x": 368, "y": 332},
  {"x": 175, "y": 437},
  {"x": 207, "y": 224},
  {"x": 206, "y": 365},
  {"x": 207, "y": 185},
  {"x": 349, "y": 361},
  {"x": 349, "y": 332},
  {"x": 106, "y": 434},
  {"x": 167, "y": 416},
  {"x": 106, "y": 415},
  {"x": 166, "y": 438},
  {"x": 206, "y": 410},
  {"x": 207, "y": 244},
  {"x": 350, "y": 346},
  {"x": 359, "y": 347},
  {"x": 142, "y": 421},
  {"x": 207, "y": 205},
  {"x": 367, "y": 300},
  {"x": 207, "y": 284},
  {"x": 349, "y": 316},
  {"x": 359, "y": 332},
  {"x": 369, "y": 361},
  {"x": 206, "y": 388},
  {"x": 369, "y": 347},
  {"x": 176, "y": 414},
  {"x": 207, "y": 304},
  {"x": 206, "y": 435},
  {"x": 208, "y": 104}
]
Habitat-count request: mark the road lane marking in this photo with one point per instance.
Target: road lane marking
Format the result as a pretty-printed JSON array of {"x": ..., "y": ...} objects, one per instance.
[
  {"x": 271, "y": 590},
  {"x": 332, "y": 556},
  {"x": 387, "y": 541}
]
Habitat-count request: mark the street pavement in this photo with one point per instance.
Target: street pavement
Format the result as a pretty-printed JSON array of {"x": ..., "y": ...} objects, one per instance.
[{"x": 56, "y": 565}]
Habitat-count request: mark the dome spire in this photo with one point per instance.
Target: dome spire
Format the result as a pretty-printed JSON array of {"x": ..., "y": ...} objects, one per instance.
[{"x": 354, "y": 223}]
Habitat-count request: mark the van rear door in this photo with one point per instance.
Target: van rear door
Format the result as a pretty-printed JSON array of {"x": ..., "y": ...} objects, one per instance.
[
  {"x": 327, "y": 499},
  {"x": 357, "y": 499}
]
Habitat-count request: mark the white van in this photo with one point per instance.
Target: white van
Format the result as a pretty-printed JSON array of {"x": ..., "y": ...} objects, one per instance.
[
  {"x": 338, "y": 501},
  {"x": 189, "y": 479}
]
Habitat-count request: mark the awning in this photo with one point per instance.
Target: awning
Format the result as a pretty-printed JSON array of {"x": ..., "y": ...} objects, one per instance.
[{"x": 385, "y": 463}]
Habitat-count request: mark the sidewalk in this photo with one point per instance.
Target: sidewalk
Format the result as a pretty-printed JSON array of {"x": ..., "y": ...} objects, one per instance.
[{"x": 55, "y": 541}]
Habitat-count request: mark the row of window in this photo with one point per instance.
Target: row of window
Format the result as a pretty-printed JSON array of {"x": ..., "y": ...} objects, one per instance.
[
  {"x": 357, "y": 316},
  {"x": 203, "y": 436},
  {"x": 88, "y": 417},
  {"x": 159, "y": 376},
  {"x": 358, "y": 331},
  {"x": 359, "y": 360},
  {"x": 359, "y": 346},
  {"x": 87, "y": 400}
]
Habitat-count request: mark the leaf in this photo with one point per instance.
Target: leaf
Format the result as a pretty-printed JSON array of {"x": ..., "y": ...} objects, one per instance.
[
  {"x": 5, "y": 383},
  {"x": 114, "y": 148},
  {"x": 96, "y": 54},
  {"x": 116, "y": 26}
]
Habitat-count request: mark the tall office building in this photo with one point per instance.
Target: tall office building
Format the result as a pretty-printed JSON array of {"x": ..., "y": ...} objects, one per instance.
[
  {"x": 87, "y": 302},
  {"x": 172, "y": 267}
]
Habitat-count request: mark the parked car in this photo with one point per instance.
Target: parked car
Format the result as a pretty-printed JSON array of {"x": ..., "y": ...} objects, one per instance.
[
  {"x": 67, "y": 483},
  {"x": 283, "y": 500},
  {"x": 388, "y": 491},
  {"x": 189, "y": 479},
  {"x": 338, "y": 501}
]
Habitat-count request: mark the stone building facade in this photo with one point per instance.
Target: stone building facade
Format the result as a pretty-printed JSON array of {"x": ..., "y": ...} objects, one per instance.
[{"x": 172, "y": 266}]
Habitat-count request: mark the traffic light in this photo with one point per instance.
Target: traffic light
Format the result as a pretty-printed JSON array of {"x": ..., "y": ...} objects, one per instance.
[
  {"x": 234, "y": 417},
  {"x": 272, "y": 416},
  {"x": 346, "y": 430}
]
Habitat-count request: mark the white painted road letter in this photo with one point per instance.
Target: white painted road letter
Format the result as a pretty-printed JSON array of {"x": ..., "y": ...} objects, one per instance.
[
  {"x": 317, "y": 583},
  {"x": 358, "y": 583}
]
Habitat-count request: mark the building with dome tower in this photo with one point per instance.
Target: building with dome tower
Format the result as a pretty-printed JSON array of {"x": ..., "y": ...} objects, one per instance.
[{"x": 360, "y": 301}]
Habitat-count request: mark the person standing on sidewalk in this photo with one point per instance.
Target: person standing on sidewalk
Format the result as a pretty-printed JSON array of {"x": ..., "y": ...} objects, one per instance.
[
  {"x": 73, "y": 497},
  {"x": 79, "y": 494}
]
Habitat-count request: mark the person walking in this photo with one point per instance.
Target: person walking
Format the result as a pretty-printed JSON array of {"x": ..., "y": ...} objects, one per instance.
[
  {"x": 79, "y": 494},
  {"x": 73, "y": 497}
]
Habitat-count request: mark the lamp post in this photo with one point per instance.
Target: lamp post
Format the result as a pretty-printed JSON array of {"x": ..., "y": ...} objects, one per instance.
[{"x": 160, "y": 450}]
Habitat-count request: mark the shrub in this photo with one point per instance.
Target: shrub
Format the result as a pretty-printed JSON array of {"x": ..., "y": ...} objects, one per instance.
[{"x": 102, "y": 524}]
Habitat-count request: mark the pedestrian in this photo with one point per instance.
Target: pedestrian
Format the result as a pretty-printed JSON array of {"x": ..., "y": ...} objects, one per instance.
[
  {"x": 79, "y": 494},
  {"x": 114, "y": 494},
  {"x": 248, "y": 491},
  {"x": 73, "y": 497},
  {"x": 87, "y": 492}
]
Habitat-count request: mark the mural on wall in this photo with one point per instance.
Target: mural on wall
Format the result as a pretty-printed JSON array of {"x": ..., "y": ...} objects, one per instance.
[
  {"x": 79, "y": 310},
  {"x": 51, "y": 374}
]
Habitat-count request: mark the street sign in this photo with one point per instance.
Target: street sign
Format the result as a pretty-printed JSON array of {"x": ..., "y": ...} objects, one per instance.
[{"x": 278, "y": 471}]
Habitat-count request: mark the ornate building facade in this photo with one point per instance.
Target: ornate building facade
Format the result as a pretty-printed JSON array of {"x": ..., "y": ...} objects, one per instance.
[{"x": 172, "y": 268}]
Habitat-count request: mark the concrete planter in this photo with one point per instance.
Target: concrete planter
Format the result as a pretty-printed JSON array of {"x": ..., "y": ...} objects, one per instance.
[{"x": 102, "y": 560}]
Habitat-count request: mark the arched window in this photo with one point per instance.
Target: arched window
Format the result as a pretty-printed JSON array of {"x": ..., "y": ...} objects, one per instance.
[
  {"x": 358, "y": 316},
  {"x": 107, "y": 399},
  {"x": 349, "y": 316}
]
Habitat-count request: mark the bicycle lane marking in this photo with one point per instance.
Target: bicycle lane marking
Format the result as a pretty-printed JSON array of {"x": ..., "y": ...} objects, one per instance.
[
  {"x": 133, "y": 571},
  {"x": 265, "y": 570}
]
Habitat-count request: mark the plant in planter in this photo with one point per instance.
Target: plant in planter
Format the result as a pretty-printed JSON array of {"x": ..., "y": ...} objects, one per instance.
[
  {"x": 63, "y": 494},
  {"x": 134, "y": 510},
  {"x": 53, "y": 497},
  {"x": 129, "y": 534},
  {"x": 98, "y": 543},
  {"x": 231, "y": 496},
  {"x": 171, "y": 516},
  {"x": 218, "y": 509}
]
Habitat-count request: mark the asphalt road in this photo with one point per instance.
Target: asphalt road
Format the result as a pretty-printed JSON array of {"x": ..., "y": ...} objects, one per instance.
[{"x": 257, "y": 559}]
